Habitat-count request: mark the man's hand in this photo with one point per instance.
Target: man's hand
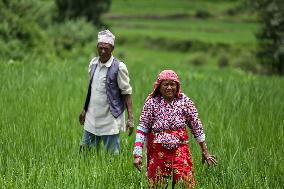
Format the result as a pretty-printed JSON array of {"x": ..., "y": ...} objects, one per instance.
[
  {"x": 210, "y": 159},
  {"x": 130, "y": 126},
  {"x": 82, "y": 117},
  {"x": 138, "y": 163}
]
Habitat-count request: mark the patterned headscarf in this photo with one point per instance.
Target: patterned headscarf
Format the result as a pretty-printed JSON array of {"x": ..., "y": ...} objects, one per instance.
[{"x": 165, "y": 75}]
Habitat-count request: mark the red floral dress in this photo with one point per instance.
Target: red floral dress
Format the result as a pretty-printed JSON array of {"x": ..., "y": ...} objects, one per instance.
[{"x": 162, "y": 126}]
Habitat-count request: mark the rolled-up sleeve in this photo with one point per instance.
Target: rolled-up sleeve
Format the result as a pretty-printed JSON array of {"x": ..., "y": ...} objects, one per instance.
[{"x": 123, "y": 79}]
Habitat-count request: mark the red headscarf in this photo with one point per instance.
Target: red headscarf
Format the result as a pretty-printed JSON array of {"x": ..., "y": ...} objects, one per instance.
[{"x": 165, "y": 75}]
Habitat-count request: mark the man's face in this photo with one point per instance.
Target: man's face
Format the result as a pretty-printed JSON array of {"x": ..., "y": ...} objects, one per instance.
[{"x": 104, "y": 50}]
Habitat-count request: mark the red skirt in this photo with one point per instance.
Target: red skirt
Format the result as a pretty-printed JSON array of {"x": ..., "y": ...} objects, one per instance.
[{"x": 163, "y": 163}]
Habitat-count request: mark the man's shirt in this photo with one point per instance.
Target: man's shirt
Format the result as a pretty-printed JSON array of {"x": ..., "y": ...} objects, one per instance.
[{"x": 99, "y": 119}]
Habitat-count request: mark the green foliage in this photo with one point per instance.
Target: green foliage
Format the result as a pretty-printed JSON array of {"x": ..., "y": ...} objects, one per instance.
[
  {"x": 72, "y": 33},
  {"x": 199, "y": 59},
  {"x": 202, "y": 14},
  {"x": 20, "y": 32},
  {"x": 160, "y": 8},
  {"x": 246, "y": 62},
  {"x": 271, "y": 36},
  {"x": 27, "y": 28},
  {"x": 90, "y": 9},
  {"x": 223, "y": 60}
]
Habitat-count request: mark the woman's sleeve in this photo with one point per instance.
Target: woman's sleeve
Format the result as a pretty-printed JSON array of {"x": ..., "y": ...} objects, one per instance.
[
  {"x": 143, "y": 128},
  {"x": 193, "y": 121}
]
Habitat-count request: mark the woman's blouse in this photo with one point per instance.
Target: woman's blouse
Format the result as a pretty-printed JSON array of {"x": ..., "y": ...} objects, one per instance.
[{"x": 158, "y": 116}]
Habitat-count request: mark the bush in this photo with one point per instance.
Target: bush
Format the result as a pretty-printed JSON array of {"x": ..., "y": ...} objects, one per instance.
[
  {"x": 72, "y": 33},
  {"x": 223, "y": 60},
  {"x": 203, "y": 14},
  {"x": 12, "y": 50},
  {"x": 19, "y": 30},
  {"x": 90, "y": 9},
  {"x": 247, "y": 63},
  {"x": 270, "y": 37},
  {"x": 199, "y": 59}
]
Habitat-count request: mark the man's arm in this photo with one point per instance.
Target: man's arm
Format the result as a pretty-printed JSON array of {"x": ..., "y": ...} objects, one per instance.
[
  {"x": 128, "y": 103},
  {"x": 82, "y": 115},
  {"x": 123, "y": 81}
]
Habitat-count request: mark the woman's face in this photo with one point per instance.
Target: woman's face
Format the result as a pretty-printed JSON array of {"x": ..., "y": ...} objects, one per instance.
[{"x": 168, "y": 89}]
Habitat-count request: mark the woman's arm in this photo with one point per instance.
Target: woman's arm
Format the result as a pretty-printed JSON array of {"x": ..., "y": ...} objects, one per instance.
[
  {"x": 196, "y": 129},
  {"x": 206, "y": 157},
  {"x": 141, "y": 134},
  {"x": 143, "y": 129}
]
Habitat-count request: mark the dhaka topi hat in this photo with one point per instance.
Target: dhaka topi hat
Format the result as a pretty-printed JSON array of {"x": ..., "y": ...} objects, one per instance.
[{"x": 106, "y": 36}]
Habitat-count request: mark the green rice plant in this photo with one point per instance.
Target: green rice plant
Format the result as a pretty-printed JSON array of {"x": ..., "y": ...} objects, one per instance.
[{"x": 40, "y": 134}]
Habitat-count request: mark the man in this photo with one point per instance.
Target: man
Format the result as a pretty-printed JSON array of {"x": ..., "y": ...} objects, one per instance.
[{"x": 109, "y": 93}]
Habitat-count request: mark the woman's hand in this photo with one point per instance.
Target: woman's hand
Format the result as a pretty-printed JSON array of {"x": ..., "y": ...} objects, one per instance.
[
  {"x": 138, "y": 163},
  {"x": 210, "y": 159},
  {"x": 206, "y": 157}
]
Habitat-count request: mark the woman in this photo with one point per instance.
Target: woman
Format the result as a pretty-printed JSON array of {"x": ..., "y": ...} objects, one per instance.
[{"x": 163, "y": 122}]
